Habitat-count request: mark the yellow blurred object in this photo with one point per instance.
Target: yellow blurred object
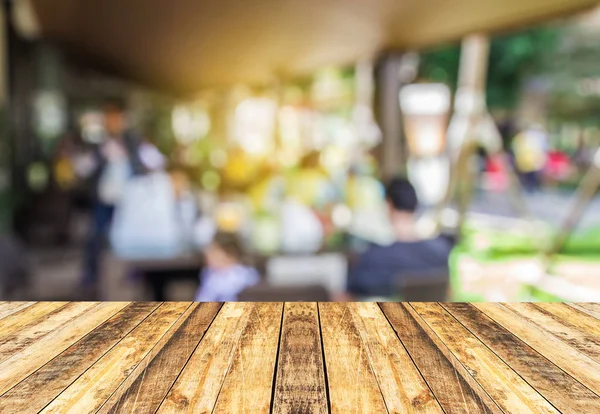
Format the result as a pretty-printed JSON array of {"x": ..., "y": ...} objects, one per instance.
[
  {"x": 306, "y": 186},
  {"x": 258, "y": 194},
  {"x": 241, "y": 169},
  {"x": 64, "y": 173},
  {"x": 229, "y": 217},
  {"x": 363, "y": 192}
]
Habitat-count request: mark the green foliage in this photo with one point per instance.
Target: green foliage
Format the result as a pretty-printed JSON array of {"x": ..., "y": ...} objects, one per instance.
[
  {"x": 512, "y": 59},
  {"x": 576, "y": 57}
]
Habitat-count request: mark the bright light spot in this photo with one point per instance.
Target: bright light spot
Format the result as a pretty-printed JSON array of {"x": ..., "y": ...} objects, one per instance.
[
  {"x": 333, "y": 158},
  {"x": 189, "y": 124},
  {"x": 426, "y": 226},
  {"x": 288, "y": 157},
  {"x": 229, "y": 216},
  {"x": 92, "y": 126},
  {"x": 341, "y": 216},
  {"x": 366, "y": 128},
  {"x": 50, "y": 114},
  {"x": 255, "y": 125},
  {"x": 597, "y": 158},
  {"x": 425, "y": 99},
  {"x": 430, "y": 177},
  {"x": 449, "y": 217},
  {"x": 290, "y": 126}
]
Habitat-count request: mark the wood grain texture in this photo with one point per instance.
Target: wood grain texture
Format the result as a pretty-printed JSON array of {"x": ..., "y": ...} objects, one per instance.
[
  {"x": 587, "y": 308},
  {"x": 146, "y": 387},
  {"x": 584, "y": 343},
  {"x": 562, "y": 390},
  {"x": 95, "y": 386},
  {"x": 40, "y": 388},
  {"x": 575, "y": 317},
  {"x": 504, "y": 385},
  {"x": 26, "y": 316},
  {"x": 197, "y": 388},
  {"x": 300, "y": 381},
  {"x": 570, "y": 360},
  {"x": 247, "y": 387},
  {"x": 28, "y": 359},
  {"x": 353, "y": 387},
  {"x": 452, "y": 385},
  {"x": 299, "y": 357},
  {"x": 8, "y": 308},
  {"x": 402, "y": 386},
  {"x": 33, "y": 333}
]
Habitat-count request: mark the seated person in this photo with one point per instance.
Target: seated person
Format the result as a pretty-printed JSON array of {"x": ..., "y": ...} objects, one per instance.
[
  {"x": 377, "y": 271},
  {"x": 224, "y": 276}
]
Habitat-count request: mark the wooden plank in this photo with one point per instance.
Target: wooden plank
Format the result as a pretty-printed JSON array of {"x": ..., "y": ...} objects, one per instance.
[
  {"x": 27, "y": 360},
  {"x": 353, "y": 387},
  {"x": 454, "y": 388},
  {"x": 564, "y": 392},
  {"x": 504, "y": 385},
  {"x": 13, "y": 343},
  {"x": 575, "y": 317},
  {"x": 197, "y": 388},
  {"x": 26, "y": 316},
  {"x": 148, "y": 384},
  {"x": 8, "y": 308},
  {"x": 587, "y": 309},
  {"x": 578, "y": 365},
  {"x": 300, "y": 379},
  {"x": 584, "y": 343},
  {"x": 41, "y": 387},
  {"x": 94, "y": 387},
  {"x": 401, "y": 384},
  {"x": 248, "y": 384}
]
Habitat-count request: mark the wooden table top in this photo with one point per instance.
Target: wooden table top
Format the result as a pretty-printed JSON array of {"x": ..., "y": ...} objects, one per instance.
[{"x": 149, "y": 357}]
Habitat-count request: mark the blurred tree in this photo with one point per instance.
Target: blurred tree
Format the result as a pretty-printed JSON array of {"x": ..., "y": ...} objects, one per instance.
[
  {"x": 512, "y": 58},
  {"x": 572, "y": 70}
]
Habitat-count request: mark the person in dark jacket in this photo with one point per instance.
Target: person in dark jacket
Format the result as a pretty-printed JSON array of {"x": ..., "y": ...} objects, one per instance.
[
  {"x": 115, "y": 160},
  {"x": 377, "y": 271}
]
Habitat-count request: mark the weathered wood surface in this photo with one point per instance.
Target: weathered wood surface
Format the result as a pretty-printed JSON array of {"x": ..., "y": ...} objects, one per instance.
[{"x": 299, "y": 357}]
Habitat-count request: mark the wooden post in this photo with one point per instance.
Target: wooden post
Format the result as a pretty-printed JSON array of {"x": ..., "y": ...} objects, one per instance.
[
  {"x": 585, "y": 193},
  {"x": 391, "y": 150},
  {"x": 472, "y": 126}
]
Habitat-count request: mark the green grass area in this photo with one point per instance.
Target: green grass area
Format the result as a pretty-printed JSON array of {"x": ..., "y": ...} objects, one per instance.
[{"x": 488, "y": 246}]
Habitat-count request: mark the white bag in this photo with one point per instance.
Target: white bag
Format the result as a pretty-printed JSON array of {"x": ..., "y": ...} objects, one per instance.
[
  {"x": 302, "y": 231},
  {"x": 147, "y": 223}
]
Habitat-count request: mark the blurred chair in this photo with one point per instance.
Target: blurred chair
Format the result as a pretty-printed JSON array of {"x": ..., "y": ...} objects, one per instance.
[
  {"x": 424, "y": 286},
  {"x": 269, "y": 293},
  {"x": 329, "y": 270}
]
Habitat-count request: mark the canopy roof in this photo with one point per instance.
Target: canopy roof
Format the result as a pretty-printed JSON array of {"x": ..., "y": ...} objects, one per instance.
[{"x": 186, "y": 45}]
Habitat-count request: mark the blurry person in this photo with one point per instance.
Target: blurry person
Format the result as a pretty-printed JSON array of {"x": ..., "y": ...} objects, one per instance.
[
  {"x": 114, "y": 161},
  {"x": 377, "y": 270},
  {"x": 65, "y": 183},
  {"x": 224, "y": 277},
  {"x": 530, "y": 152}
]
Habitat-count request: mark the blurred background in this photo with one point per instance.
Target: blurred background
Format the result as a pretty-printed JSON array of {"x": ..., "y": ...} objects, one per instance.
[{"x": 259, "y": 150}]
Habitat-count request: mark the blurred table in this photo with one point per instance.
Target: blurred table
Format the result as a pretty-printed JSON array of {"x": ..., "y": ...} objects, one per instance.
[
  {"x": 299, "y": 357},
  {"x": 158, "y": 272}
]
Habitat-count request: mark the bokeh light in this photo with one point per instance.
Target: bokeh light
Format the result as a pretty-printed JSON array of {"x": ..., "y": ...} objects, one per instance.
[
  {"x": 190, "y": 123},
  {"x": 255, "y": 120}
]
